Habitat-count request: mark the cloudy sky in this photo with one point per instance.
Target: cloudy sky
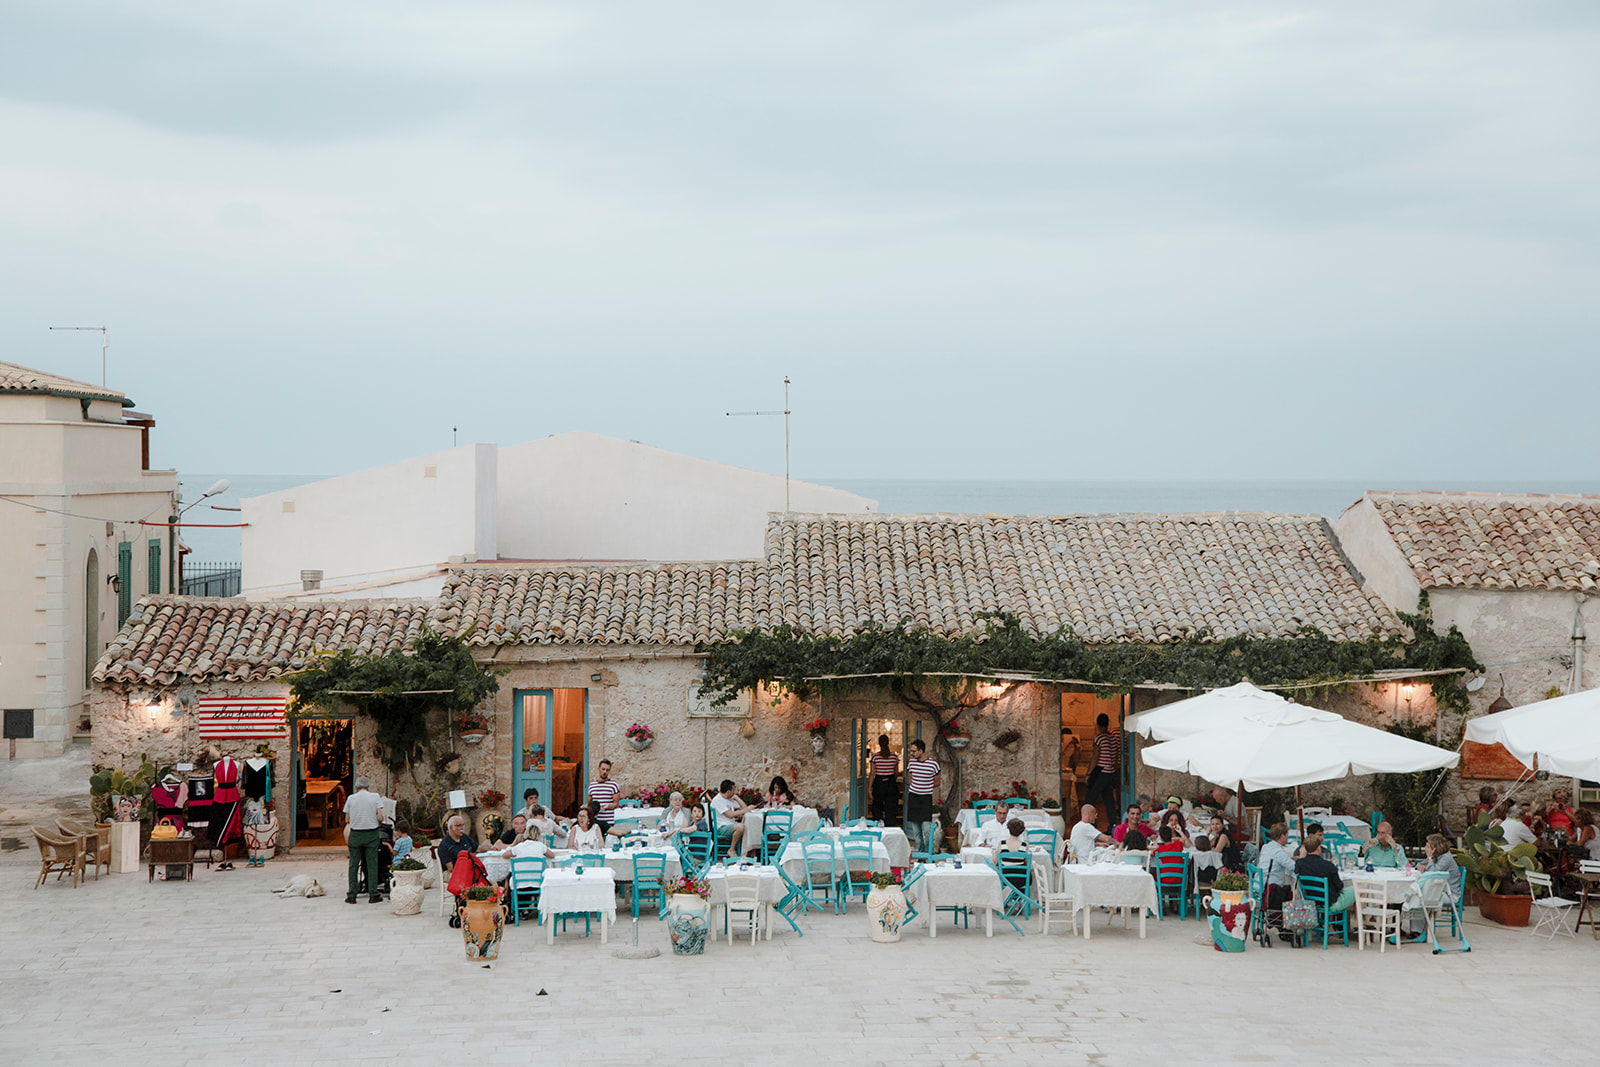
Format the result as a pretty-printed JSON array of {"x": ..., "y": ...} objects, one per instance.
[{"x": 1061, "y": 240}]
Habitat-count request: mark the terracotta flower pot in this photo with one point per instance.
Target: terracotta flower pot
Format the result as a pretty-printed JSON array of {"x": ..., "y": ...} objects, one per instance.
[
  {"x": 472, "y": 737},
  {"x": 482, "y": 923},
  {"x": 1507, "y": 909}
]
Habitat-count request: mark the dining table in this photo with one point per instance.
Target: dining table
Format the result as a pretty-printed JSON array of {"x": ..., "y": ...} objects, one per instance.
[
  {"x": 1124, "y": 886},
  {"x": 1396, "y": 881},
  {"x": 1585, "y": 916},
  {"x": 805, "y": 820},
  {"x": 620, "y": 861},
  {"x": 568, "y": 892},
  {"x": 772, "y": 890},
  {"x": 967, "y": 819},
  {"x": 958, "y": 885},
  {"x": 894, "y": 839},
  {"x": 793, "y": 859}
]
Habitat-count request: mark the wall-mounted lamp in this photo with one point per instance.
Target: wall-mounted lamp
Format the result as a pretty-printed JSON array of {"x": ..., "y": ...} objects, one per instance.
[
  {"x": 115, "y": 582},
  {"x": 594, "y": 677}
]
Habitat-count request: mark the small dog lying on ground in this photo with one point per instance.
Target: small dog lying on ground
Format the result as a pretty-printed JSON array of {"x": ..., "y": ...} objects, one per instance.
[{"x": 301, "y": 885}]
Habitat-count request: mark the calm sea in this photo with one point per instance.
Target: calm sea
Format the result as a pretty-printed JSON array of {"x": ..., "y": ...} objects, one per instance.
[{"x": 922, "y": 496}]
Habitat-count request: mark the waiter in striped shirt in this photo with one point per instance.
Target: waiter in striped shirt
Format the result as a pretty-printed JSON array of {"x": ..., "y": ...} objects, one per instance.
[
  {"x": 603, "y": 793},
  {"x": 1102, "y": 789},
  {"x": 885, "y": 781},
  {"x": 922, "y": 778}
]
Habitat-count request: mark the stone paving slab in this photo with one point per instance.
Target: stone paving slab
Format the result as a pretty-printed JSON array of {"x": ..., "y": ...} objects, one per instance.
[{"x": 220, "y": 969}]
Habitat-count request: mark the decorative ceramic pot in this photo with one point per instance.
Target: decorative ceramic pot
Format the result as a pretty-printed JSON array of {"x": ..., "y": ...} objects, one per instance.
[
  {"x": 639, "y": 746},
  {"x": 886, "y": 909},
  {"x": 472, "y": 737},
  {"x": 482, "y": 923},
  {"x": 1230, "y": 919},
  {"x": 688, "y": 920},
  {"x": 818, "y": 743},
  {"x": 407, "y": 892},
  {"x": 959, "y": 743},
  {"x": 493, "y": 825}
]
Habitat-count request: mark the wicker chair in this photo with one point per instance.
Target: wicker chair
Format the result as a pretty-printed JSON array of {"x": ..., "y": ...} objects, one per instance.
[
  {"x": 59, "y": 854},
  {"x": 96, "y": 844}
]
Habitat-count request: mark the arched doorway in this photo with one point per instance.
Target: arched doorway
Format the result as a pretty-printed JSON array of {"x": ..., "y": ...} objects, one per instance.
[{"x": 91, "y": 615}]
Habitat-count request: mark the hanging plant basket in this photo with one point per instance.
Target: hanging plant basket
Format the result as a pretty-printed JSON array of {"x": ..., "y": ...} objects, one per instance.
[
  {"x": 640, "y": 746},
  {"x": 959, "y": 741},
  {"x": 819, "y": 742},
  {"x": 472, "y": 737}
]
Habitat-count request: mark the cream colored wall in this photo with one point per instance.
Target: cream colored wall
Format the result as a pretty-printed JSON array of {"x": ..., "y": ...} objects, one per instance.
[{"x": 88, "y": 469}]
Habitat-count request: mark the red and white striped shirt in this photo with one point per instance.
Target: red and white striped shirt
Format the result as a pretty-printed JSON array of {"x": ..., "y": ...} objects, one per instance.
[
  {"x": 885, "y": 764},
  {"x": 604, "y": 793},
  {"x": 921, "y": 773},
  {"x": 1107, "y": 751}
]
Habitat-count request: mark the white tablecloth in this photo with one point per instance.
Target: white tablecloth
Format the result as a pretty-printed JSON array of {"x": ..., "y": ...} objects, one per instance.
[
  {"x": 650, "y": 816},
  {"x": 805, "y": 820},
  {"x": 1205, "y": 860},
  {"x": 567, "y": 891},
  {"x": 1111, "y": 885},
  {"x": 621, "y": 863},
  {"x": 894, "y": 840},
  {"x": 967, "y": 819},
  {"x": 1357, "y": 828},
  {"x": 1396, "y": 882},
  {"x": 794, "y": 864},
  {"x": 771, "y": 891},
  {"x": 1043, "y": 865},
  {"x": 943, "y": 885}
]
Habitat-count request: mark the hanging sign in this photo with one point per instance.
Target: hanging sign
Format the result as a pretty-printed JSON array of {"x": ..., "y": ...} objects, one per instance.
[{"x": 223, "y": 717}]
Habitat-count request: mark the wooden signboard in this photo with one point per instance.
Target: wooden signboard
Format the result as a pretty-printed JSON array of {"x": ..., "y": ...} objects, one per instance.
[{"x": 1490, "y": 761}]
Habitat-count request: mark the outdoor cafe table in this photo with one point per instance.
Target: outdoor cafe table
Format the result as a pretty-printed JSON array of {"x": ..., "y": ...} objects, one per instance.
[
  {"x": 894, "y": 840},
  {"x": 972, "y": 885},
  {"x": 566, "y": 891},
  {"x": 805, "y": 820},
  {"x": 645, "y": 817},
  {"x": 1111, "y": 885},
  {"x": 1043, "y": 864},
  {"x": 620, "y": 863},
  {"x": 793, "y": 860},
  {"x": 1590, "y": 880},
  {"x": 967, "y": 819},
  {"x": 1397, "y": 881},
  {"x": 771, "y": 891}
]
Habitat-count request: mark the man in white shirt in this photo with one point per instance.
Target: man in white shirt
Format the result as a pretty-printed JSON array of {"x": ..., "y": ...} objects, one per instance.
[
  {"x": 991, "y": 834},
  {"x": 729, "y": 811},
  {"x": 1516, "y": 831},
  {"x": 1086, "y": 836},
  {"x": 364, "y": 809}
]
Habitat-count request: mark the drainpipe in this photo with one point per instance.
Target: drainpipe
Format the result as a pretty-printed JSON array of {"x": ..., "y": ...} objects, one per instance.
[{"x": 1577, "y": 647}]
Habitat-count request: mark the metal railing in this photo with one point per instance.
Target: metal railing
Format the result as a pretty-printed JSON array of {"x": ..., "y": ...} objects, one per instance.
[{"x": 210, "y": 579}]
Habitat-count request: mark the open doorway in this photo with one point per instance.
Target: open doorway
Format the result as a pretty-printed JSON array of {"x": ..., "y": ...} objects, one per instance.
[
  {"x": 868, "y": 798},
  {"x": 1079, "y": 712},
  {"x": 550, "y": 732},
  {"x": 324, "y": 775}
]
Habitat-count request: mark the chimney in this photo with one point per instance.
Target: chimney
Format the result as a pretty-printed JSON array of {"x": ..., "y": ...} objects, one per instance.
[{"x": 310, "y": 580}]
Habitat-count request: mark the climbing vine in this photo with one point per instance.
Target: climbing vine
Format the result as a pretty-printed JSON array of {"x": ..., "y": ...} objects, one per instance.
[{"x": 398, "y": 689}]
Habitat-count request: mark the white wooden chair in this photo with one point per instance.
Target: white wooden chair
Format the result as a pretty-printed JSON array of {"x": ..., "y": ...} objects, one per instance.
[
  {"x": 1057, "y": 904},
  {"x": 1552, "y": 911},
  {"x": 446, "y": 901},
  {"x": 1374, "y": 918},
  {"x": 744, "y": 898}
]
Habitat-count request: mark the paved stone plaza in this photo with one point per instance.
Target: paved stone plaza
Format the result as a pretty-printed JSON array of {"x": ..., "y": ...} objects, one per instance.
[{"x": 220, "y": 969}]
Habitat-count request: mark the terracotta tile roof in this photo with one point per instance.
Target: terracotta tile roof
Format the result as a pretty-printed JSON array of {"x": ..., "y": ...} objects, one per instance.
[
  {"x": 1495, "y": 540},
  {"x": 605, "y": 604},
  {"x": 169, "y": 640},
  {"x": 15, "y": 378},
  {"x": 1111, "y": 578}
]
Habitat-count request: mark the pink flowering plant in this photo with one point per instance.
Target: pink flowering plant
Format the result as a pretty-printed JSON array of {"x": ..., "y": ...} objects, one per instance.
[{"x": 638, "y": 732}]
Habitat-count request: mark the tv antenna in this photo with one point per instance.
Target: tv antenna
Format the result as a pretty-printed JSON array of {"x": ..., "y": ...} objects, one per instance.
[
  {"x": 785, "y": 414},
  {"x": 105, "y": 343}
]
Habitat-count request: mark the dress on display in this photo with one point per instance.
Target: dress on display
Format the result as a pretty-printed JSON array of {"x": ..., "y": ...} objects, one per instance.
[
  {"x": 225, "y": 813},
  {"x": 201, "y": 787},
  {"x": 170, "y": 797}
]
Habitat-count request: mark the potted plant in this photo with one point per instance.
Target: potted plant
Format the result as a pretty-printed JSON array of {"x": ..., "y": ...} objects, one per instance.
[
  {"x": 472, "y": 727},
  {"x": 1230, "y": 906},
  {"x": 818, "y": 728},
  {"x": 688, "y": 914},
  {"x": 409, "y": 875},
  {"x": 483, "y": 920},
  {"x": 639, "y": 736},
  {"x": 886, "y": 906},
  {"x": 955, "y": 735},
  {"x": 1496, "y": 872}
]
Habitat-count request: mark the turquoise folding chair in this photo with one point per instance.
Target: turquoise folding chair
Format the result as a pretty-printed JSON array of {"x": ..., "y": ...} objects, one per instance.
[
  {"x": 1172, "y": 881},
  {"x": 1045, "y": 836},
  {"x": 984, "y": 807},
  {"x": 1316, "y": 890},
  {"x": 775, "y": 830},
  {"x": 822, "y": 873},
  {"x": 527, "y": 874},
  {"x": 1016, "y": 878},
  {"x": 857, "y": 874},
  {"x": 1018, "y": 802},
  {"x": 906, "y": 882},
  {"x": 862, "y": 824},
  {"x": 585, "y": 859},
  {"x": 1258, "y": 895},
  {"x": 630, "y": 802},
  {"x": 649, "y": 871},
  {"x": 1440, "y": 906},
  {"x": 1375, "y": 818},
  {"x": 794, "y": 899}
]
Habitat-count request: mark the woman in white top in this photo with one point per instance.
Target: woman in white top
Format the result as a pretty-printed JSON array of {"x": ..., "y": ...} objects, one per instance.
[
  {"x": 585, "y": 833},
  {"x": 676, "y": 818}
]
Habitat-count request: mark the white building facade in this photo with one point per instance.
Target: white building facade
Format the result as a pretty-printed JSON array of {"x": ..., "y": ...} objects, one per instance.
[
  {"x": 393, "y": 530},
  {"x": 76, "y": 483}
]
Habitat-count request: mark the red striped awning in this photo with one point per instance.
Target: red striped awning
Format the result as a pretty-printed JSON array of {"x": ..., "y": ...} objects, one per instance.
[{"x": 222, "y": 717}]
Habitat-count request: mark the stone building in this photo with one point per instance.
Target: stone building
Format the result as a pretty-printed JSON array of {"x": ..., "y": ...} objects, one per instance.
[
  {"x": 589, "y": 649},
  {"x": 1514, "y": 572},
  {"x": 76, "y": 482}
]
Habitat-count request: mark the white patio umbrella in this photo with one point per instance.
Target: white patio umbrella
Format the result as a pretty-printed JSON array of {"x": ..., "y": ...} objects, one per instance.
[
  {"x": 1276, "y": 748},
  {"x": 1219, "y": 707},
  {"x": 1564, "y": 734}
]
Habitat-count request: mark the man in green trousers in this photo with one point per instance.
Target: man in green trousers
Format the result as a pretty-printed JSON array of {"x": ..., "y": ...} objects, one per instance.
[{"x": 363, "y": 813}]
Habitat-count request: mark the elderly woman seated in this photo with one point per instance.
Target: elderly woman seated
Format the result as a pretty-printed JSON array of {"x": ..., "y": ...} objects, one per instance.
[{"x": 1412, "y": 920}]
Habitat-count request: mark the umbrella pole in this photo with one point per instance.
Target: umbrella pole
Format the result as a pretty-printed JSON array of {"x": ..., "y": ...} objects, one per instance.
[{"x": 1300, "y": 809}]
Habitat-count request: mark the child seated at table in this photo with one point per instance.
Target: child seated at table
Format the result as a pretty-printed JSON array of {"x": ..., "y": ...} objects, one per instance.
[{"x": 1170, "y": 842}]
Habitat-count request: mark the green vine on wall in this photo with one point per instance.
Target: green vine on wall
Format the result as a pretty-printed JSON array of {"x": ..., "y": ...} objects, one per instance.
[
  {"x": 903, "y": 658},
  {"x": 398, "y": 689}
]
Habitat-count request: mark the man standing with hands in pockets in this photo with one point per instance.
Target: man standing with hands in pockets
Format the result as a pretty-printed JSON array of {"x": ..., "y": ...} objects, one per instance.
[{"x": 363, "y": 811}]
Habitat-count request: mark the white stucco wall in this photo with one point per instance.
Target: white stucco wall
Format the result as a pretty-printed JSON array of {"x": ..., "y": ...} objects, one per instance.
[
  {"x": 584, "y": 496},
  {"x": 1366, "y": 542},
  {"x": 51, "y": 457},
  {"x": 379, "y": 524}
]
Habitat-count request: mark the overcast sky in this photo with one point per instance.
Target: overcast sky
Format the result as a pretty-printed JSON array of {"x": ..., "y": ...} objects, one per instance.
[{"x": 1060, "y": 240}]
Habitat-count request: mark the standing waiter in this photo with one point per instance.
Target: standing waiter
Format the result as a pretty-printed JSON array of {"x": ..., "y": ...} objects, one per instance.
[
  {"x": 1102, "y": 788},
  {"x": 885, "y": 781},
  {"x": 922, "y": 778}
]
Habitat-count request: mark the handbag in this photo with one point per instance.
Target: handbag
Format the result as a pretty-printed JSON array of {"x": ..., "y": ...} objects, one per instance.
[
  {"x": 163, "y": 831},
  {"x": 1299, "y": 914}
]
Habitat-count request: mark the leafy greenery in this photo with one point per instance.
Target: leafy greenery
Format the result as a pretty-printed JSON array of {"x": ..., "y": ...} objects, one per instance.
[
  {"x": 398, "y": 689},
  {"x": 1230, "y": 882},
  {"x": 1411, "y": 801},
  {"x": 1490, "y": 866},
  {"x": 108, "y": 782}
]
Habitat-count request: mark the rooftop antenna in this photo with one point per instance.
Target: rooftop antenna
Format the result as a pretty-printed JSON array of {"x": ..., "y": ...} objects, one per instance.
[
  {"x": 785, "y": 414},
  {"x": 105, "y": 343},
  {"x": 453, "y": 436}
]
